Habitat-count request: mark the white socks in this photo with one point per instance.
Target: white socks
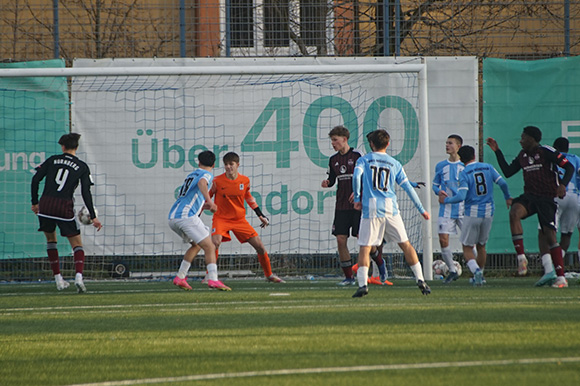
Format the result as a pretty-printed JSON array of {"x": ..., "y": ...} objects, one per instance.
[
  {"x": 418, "y": 272},
  {"x": 472, "y": 265},
  {"x": 183, "y": 269},
  {"x": 212, "y": 273},
  {"x": 547, "y": 263},
  {"x": 362, "y": 276}
]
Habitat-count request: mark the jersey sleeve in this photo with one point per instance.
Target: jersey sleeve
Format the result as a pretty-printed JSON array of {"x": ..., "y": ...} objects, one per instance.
[
  {"x": 461, "y": 190},
  {"x": 248, "y": 196},
  {"x": 437, "y": 180},
  {"x": 357, "y": 179},
  {"x": 38, "y": 176},
  {"x": 331, "y": 174}
]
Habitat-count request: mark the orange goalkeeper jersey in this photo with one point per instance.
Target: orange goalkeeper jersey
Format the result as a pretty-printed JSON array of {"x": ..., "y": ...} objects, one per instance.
[{"x": 229, "y": 196}]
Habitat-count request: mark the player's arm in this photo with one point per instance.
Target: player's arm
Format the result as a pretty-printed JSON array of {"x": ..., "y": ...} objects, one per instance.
[
  {"x": 204, "y": 190},
  {"x": 329, "y": 182},
  {"x": 417, "y": 185},
  {"x": 436, "y": 182},
  {"x": 508, "y": 170},
  {"x": 357, "y": 183},
  {"x": 86, "y": 183},
  {"x": 36, "y": 178},
  {"x": 254, "y": 205},
  {"x": 212, "y": 190},
  {"x": 408, "y": 188},
  {"x": 561, "y": 161},
  {"x": 460, "y": 196}
]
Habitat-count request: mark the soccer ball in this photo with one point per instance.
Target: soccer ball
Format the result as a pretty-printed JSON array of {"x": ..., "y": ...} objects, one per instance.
[
  {"x": 458, "y": 267},
  {"x": 440, "y": 268},
  {"x": 85, "y": 217}
]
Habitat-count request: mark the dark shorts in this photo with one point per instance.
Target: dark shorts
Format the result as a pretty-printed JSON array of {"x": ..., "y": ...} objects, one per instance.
[
  {"x": 68, "y": 228},
  {"x": 345, "y": 220},
  {"x": 544, "y": 207}
]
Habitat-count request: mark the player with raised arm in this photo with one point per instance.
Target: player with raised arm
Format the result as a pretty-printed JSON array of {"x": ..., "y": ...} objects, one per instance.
[
  {"x": 476, "y": 190},
  {"x": 63, "y": 173},
  {"x": 445, "y": 184},
  {"x": 229, "y": 191},
  {"x": 373, "y": 184},
  {"x": 184, "y": 220},
  {"x": 541, "y": 186}
]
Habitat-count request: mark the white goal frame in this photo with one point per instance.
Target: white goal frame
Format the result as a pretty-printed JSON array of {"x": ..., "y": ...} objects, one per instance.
[{"x": 419, "y": 68}]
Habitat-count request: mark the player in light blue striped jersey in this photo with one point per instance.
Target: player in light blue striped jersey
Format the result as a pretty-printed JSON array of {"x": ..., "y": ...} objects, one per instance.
[
  {"x": 193, "y": 197},
  {"x": 476, "y": 190},
  {"x": 374, "y": 179},
  {"x": 445, "y": 184}
]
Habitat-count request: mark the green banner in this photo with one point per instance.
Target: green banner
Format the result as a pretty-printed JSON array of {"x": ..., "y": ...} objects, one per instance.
[
  {"x": 542, "y": 93},
  {"x": 34, "y": 113}
]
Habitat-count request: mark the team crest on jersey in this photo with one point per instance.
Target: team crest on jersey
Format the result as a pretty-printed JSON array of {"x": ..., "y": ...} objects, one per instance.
[
  {"x": 350, "y": 162},
  {"x": 241, "y": 186},
  {"x": 530, "y": 160},
  {"x": 342, "y": 169}
]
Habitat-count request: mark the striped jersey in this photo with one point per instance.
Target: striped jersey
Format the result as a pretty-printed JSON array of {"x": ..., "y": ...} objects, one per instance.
[
  {"x": 377, "y": 174},
  {"x": 574, "y": 184},
  {"x": 447, "y": 179},
  {"x": 190, "y": 200},
  {"x": 476, "y": 188}
]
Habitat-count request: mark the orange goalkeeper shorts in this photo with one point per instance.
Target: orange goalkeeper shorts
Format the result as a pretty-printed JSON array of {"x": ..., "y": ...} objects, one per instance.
[{"x": 240, "y": 228}]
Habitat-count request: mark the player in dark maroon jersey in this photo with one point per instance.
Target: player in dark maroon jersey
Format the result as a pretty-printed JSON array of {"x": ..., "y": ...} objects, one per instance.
[
  {"x": 541, "y": 186},
  {"x": 346, "y": 218},
  {"x": 56, "y": 205}
]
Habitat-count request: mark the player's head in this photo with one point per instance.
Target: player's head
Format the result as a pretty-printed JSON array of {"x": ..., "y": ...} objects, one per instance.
[
  {"x": 231, "y": 157},
  {"x": 533, "y": 132},
  {"x": 453, "y": 144},
  {"x": 70, "y": 141},
  {"x": 339, "y": 131},
  {"x": 466, "y": 154},
  {"x": 562, "y": 145},
  {"x": 206, "y": 158},
  {"x": 379, "y": 139}
]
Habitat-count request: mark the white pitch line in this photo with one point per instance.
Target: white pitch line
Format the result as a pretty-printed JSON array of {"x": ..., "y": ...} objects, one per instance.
[{"x": 326, "y": 370}]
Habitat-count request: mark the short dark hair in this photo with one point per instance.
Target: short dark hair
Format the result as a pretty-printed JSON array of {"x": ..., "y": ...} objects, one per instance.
[
  {"x": 562, "y": 144},
  {"x": 457, "y": 138},
  {"x": 379, "y": 138},
  {"x": 466, "y": 153},
  {"x": 70, "y": 141},
  {"x": 206, "y": 158},
  {"x": 533, "y": 132},
  {"x": 231, "y": 157},
  {"x": 339, "y": 131}
]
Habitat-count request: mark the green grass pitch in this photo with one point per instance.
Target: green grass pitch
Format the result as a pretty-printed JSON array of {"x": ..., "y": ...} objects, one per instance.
[{"x": 299, "y": 333}]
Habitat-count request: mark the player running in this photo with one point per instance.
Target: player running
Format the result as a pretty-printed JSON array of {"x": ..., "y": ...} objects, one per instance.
[
  {"x": 56, "y": 205},
  {"x": 229, "y": 191}
]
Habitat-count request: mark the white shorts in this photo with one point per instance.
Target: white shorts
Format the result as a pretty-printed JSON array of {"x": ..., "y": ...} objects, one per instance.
[
  {"x": 190, "y": 229},
  {"x": 373, "y": 230},
  {"x": 447, "y": 225},
  {"x": 567, "y": 213},
  {"x": 475, "y": 230}
]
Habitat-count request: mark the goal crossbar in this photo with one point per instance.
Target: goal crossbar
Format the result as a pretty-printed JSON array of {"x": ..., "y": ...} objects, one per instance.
[{"x": 210, "y": 70}]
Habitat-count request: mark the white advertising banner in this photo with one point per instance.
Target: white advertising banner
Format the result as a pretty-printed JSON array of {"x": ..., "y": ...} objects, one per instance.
[{"x": 141, "y": 136}]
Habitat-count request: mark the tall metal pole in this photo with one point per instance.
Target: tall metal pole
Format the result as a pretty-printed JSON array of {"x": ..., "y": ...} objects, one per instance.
[
  {"x": 386, "y": 36},
  {"x": 398, "y": 27},
  {"x": 228, "y": 32},
  {"x": 55, "y": 31},
  {"x": 182, "y": 28},
  {"x": 567, "y": 27}
]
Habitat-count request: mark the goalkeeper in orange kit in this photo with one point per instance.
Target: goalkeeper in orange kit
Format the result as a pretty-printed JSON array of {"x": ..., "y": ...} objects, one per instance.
[{"x": 229, "y": 190}]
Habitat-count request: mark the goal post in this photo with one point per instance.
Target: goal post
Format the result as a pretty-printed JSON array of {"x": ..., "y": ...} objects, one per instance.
[{"x": 142, "y": 127}]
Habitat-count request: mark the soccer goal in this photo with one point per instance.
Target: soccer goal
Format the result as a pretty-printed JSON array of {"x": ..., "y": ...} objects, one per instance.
[{"x": 143, "y": 123}]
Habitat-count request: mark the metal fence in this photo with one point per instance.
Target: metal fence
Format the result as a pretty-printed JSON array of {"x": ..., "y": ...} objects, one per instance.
[{"x": 520, "y": 29}]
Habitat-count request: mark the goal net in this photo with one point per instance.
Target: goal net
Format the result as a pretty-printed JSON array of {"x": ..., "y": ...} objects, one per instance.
[{"x": 143, "y": 123}]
